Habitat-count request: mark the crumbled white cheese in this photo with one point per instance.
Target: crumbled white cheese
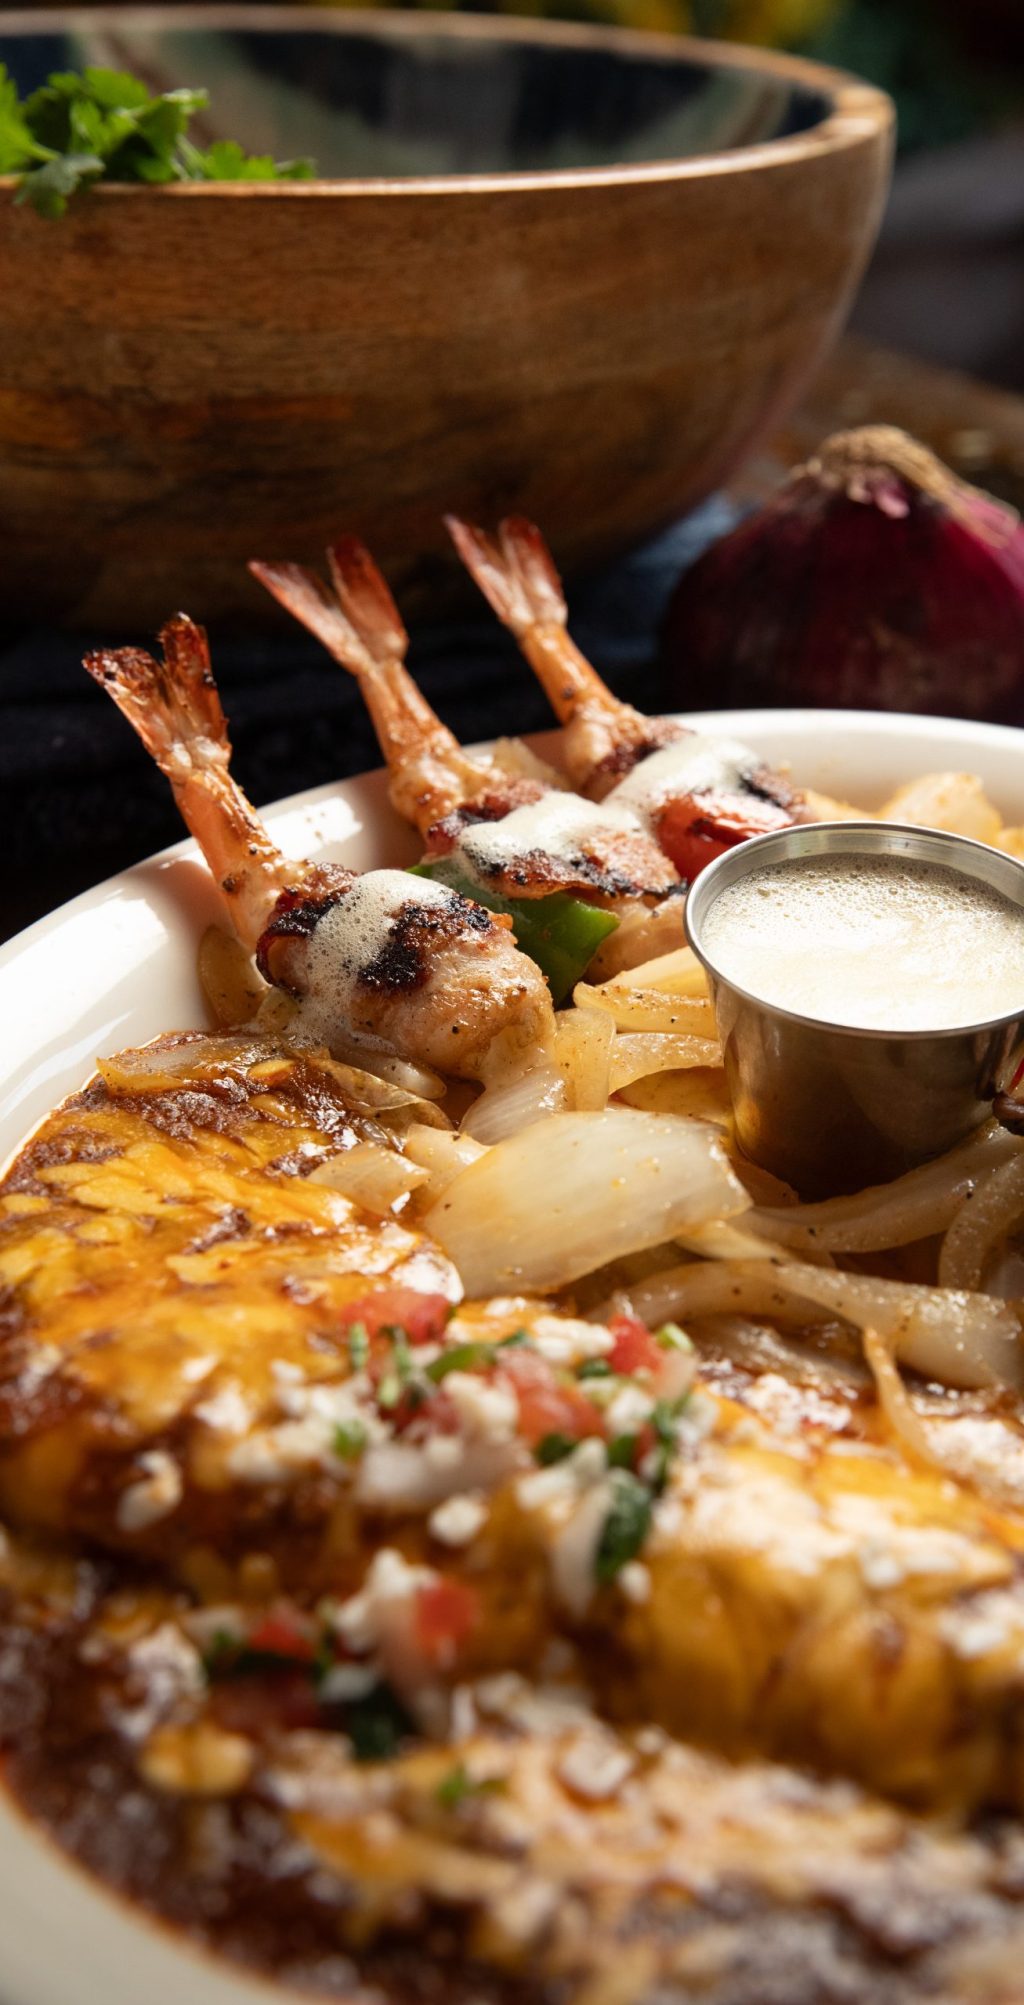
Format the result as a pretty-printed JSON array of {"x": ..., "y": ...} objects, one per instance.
[
  {"x": 574, "y": 1549},
  {"x": 563, "y": 1340},
  {"x": 525, "y": 1910},
  {"x": 157, "y": 1493},
  {"x": 635, "y": 1581},
  {"x": 226, "y": 1409},
  {"x": 345, "y": 1682},
  {"x": 562, "y": 1483},
  {"x": 457, "y": 1520},
  {"x": 483, "y": 1409},
  {"x": 391, "y": 1581},
  {"x": 879, "y": 1567},
  {"x": 166, "y": 1667},
  {"x": 629, "y": 1410},
  {"x": 443, "y": 1451},
  {"x": 594, "y": 1767}
]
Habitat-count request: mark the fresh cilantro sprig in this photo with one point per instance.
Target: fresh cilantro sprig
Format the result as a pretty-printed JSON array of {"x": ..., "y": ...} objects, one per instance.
[{"x": 104, "y": 125}]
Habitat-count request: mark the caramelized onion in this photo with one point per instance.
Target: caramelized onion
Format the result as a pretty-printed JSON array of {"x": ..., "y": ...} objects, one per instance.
[
  {"x": 577, "y": 1191},
  {"x": 504, "y": 1109},
  {"x": 915, "y": 1206},
  {"x": 979, "y": 1225},
  {"x": 947, "y": 1334}
]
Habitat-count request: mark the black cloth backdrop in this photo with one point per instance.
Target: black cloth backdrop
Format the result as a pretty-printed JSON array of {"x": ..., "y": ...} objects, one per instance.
[{"x": 79, "y": 799}]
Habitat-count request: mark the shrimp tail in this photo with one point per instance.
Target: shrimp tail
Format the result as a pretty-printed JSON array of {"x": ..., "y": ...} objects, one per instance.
[
  {"x": 516, "y": 574},
  {"x": 514, "y": 570},
  {"x": 360, "y": 627},
  {"x": 174, "y": 705},
  {"x": 175, "y": 708}
]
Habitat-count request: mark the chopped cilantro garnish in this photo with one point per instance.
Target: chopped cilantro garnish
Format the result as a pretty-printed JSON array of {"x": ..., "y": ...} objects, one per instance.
[
  {"x": 358, "y": 1346},
  {"x": 221, "y": 1653},
  {"x": 625, "y": 1527},
  {"x": 622, "y": 1451},
  {"x": 671, "y": 1338},
  {"x": 377, "y": 1725},
  {"x": 462, "y": 1357},
  {"x": 594, "y": 1368},
  {"x": 554, "y": 1448},
  {"x": 458, "y": 1784},
  {"x": 508, "y": 1343},
  {"x": 104, "y": 125},
  {"x": 349, "y": 1439}
]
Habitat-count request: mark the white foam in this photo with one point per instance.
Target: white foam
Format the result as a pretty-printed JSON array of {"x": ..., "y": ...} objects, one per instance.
[
  {"x": 352, "y": 934},
  {"x": 560, "y": 825},
  {"x": 875, "y": 942},
  {"x": 693, "y": 764}
]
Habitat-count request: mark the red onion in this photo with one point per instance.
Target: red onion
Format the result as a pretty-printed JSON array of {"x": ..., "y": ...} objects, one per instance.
[{"x": 874, "y": 579}]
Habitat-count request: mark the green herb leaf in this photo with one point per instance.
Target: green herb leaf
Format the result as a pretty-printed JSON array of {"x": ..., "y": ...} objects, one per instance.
[
  {"x": 553, "y": 1448},
  {"x": 461, "y": 1357},
  {"x": 671, "y": 1338},
  {"x": 104, "y": 124},
  {"x": 594, "y": 1368},
  {"x": 458, "y": 1784},
  {"x": 625, "y": 1528},
  {"x": 222, "y": 1653},
  {"x": 622, "y": 1451},
  {"x": 49, "y": 188},
  {"x": 349, "y": 1440},
  {"x": 377, "y": 1725}
]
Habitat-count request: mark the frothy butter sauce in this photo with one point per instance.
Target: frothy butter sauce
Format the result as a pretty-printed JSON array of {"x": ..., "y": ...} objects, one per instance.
[{"x": 870, "y": 942}]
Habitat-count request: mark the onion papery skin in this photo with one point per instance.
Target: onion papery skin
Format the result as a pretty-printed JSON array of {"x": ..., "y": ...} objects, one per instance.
[{"x": 872, "y": 580}]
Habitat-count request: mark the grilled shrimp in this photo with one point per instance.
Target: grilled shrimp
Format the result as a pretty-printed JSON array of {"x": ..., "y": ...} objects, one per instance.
[
  {"x": 431, "y": 973},
  {"x": 359, "y": 625},
  {"x": 699, "y": 795},
  {"x": 513, "y": 837}
]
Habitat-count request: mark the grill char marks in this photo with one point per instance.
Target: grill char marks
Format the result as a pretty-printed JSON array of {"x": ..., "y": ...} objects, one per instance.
[
  {"x": 630, "y": 751},
  {"x": 420, "y": 932}
]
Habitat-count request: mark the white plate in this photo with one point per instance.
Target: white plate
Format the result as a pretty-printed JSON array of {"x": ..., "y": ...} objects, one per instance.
[{"x": 116, "y": 966}]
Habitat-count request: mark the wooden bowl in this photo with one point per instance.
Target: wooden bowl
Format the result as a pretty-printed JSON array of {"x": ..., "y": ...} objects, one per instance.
[{"x": 565, "y": 271}]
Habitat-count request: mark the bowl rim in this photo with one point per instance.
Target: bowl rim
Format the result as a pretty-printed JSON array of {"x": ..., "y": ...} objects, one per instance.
[{"x": 859, "y": 113}]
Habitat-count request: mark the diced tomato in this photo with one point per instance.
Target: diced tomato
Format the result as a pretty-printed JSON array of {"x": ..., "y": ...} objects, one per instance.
[
  {"x": 446, "y": 1613},
  {"x": 422, "y": 1317},
  {"x": 281, "y": 1635},
  {"x": 634, "y": 1348},
  {"x": 549, "y": 1404},
  {"x": 258, "y": 1706}
]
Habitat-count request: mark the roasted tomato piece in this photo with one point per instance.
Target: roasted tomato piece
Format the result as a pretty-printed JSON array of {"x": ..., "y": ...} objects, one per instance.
[
  {"x": 635, "y": 1349},
  {"x": 694, "y": 830},
  {"x": 446, "y": 1614},
  {"x": 422, "y": 1317},
  {"x": 281, "y": 1634},
  {"x": 286, "y": 1702},
  {"x": 549, "y": 1404}
]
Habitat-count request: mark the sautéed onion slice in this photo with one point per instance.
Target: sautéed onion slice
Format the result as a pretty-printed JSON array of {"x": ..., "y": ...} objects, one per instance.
[
  {"x": 925, "y": 1201},
  {"x": 577, "y": 1191}
]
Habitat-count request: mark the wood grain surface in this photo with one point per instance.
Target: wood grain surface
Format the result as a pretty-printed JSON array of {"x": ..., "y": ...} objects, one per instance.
[{"x": 195, "y": 375}]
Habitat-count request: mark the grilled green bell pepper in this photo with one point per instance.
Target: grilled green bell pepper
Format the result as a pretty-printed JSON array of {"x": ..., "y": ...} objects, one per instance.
[{"x": 560, "y": 933}]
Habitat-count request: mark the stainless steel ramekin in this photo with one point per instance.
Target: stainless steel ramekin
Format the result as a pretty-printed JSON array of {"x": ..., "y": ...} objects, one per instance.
[{"x": 831, "y": 1108}]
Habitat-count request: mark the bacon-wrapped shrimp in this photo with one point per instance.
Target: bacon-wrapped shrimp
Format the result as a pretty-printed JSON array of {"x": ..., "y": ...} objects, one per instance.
[
  {"x": 413, "y": 964},
  {"x": 511, "y": 837},
  {"x": 698, "y": 794}
]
